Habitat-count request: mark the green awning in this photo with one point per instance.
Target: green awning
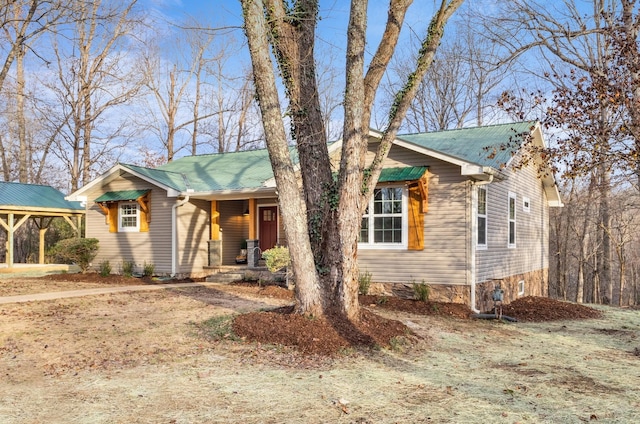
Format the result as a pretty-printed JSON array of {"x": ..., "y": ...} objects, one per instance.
[
  {"x": 121, "y": 196},
  {"x": 407, "y": 173}
]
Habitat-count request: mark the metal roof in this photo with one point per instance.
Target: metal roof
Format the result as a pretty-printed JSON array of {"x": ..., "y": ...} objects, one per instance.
[
  {"x": 174, "y": 180},
  {"x": 490, "y": 146},
  {"x": 121, "y": 196},
  {"x": 493, "y": 145},
  {"x": 408, "y": 173},
  {"x": 34, "y": 196},
  {"x": 222, "y": 171}
]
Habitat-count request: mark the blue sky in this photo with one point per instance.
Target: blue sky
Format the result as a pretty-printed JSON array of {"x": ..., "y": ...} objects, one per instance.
[{"x": 331, "y": 27}]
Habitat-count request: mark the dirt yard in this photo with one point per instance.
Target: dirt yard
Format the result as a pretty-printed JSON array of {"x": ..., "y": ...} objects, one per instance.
[{"x": 169, "y": 356}]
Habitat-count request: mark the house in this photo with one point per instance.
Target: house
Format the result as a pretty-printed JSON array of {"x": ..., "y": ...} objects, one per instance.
[{"x": 449, "y": 210}]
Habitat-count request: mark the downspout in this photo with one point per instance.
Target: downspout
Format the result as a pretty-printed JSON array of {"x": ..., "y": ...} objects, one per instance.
[
  {"x": 174, "y": 235},
  {"x": 474, "y": 242}
]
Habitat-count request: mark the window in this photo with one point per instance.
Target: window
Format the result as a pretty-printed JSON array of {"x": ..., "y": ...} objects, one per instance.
[
  {"x": 128, "y": 216},
  {"x": 126, "y": 210},
  {"x": 526, "y": 204},
  {"x": 521, "y": 288},
  {"x": 481, "y": 214},
  {"x": 385, "y": 221},
  {"x": 512, "y": 220}
]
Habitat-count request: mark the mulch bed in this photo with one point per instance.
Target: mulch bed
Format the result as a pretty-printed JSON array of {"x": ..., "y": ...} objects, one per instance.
[
  {"x": 540, "y": 309},
  {"x": 332, "y": 335},
  {"x": 317, "y": 336}
]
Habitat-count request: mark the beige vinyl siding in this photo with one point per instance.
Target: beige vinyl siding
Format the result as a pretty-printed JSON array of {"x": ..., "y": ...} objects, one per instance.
[
  {"x": 531, "y": 250},
  {"x": 153, "y": 247},
  {"x": 193, "y": 232},
  {"x": 443, "y": 260},
  {"x": 235, "y": 228}
]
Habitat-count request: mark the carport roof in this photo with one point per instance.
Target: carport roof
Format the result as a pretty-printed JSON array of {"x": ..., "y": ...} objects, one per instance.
[{"x": 35, "y": 197}]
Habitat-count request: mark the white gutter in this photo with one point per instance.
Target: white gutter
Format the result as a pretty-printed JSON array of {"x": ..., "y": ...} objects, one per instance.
[
  {"x": 174, "y": 235},
  {"x": 474, "y": 243}
]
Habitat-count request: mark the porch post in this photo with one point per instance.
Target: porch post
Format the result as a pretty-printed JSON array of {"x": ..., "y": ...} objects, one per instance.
[
  {"x": 252, "y": 220},
  {"x": 215, "y": 243}
]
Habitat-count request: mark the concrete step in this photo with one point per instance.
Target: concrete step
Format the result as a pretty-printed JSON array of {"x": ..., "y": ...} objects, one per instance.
[{"x": 225, "y": 277}]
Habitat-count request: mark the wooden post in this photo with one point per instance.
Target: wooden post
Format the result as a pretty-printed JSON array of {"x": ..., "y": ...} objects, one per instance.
[
  {"x": 252, "y": 220},
  {"x": 215, "y": 221},
  {"x": 10, "y": 241},
  {"x": 42, "y": 232}
]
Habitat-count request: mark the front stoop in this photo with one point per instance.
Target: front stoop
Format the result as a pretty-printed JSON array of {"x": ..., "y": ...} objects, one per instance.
[
  {"x": 225, "y": 274},
  {"x": 230, "y": 274},
  {"x": 225, "y": 277}
]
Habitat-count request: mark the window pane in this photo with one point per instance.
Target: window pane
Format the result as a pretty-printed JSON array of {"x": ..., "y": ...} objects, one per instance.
[
  {"x": 512, "y": 232},
  {"x": 128, "y": 215},
  {"x": 482, "y": 201},
  {"x": 482, "y": 230},
  {"x": 388, "y": 230},
  {"x": 364, "y": 231}
]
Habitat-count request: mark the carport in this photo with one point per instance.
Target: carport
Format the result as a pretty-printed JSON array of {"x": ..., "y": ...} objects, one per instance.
[{"x": 21, "y": 202}]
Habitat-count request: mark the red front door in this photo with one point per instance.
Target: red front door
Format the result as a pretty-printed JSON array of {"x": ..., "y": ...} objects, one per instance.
[{"x": 268, "y": 223}]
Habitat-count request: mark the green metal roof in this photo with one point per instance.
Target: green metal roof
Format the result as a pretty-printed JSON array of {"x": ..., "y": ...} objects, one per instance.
[
  {"x": 34, "y": 196},
  {"x": 486, "y": 146},
  {"x": 408, "y": 173},
  {"x": 222, "y": 171},
  {"x": 121, "y": 196},
  {"x": 174, "y": 180},
  {"x": 493, "y": 145}
]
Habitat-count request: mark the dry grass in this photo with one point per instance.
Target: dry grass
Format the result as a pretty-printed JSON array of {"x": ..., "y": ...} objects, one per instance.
[{"x": 143, "y": 357}]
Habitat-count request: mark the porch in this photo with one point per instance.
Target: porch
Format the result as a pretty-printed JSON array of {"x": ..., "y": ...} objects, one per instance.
[{"x": 240, "y": 230}]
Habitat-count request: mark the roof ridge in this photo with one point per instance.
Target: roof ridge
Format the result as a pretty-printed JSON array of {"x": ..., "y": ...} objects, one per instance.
[
  {"x": 469, "y": 128},
  {"x": 29, "y": 184},
  {"x": 150, "y": 169}
]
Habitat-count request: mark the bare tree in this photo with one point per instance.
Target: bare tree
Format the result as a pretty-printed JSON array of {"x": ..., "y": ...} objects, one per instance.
[
  {"x": 594, "y": 71},
  {"x": 229, "y": 95},
  {"x": 20, "y": 22},
  {"x": 456, "y": 91},
  {"x": 95, "y": 75},
  {"x": 177, "y": 84},
  {"x": 323, "y": 220},
  {"x": 232, "y": 97}
]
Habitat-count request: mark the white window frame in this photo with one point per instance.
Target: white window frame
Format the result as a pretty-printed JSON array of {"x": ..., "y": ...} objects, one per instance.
[
  {"x": 526, "y": 204},
  {"x": 405, "y": 222},
  {"x": 128, "y": 229},
  {"x": 521, "y": 288},
  {"x": 480, "y": 215},
  {"x": 512, "y": 201}
]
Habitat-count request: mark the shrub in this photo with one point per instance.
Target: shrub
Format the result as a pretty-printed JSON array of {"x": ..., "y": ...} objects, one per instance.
[
  {"x": 148, "y": 269},
  {"x": 127, "y": 268},
  {"x": 364, "y": 282},
  {"x": 105, "y": 269},
  {"x": 276, "y": 258},
  {"x": 421, "y": 291},
  {"x": 79, "y": 251}
]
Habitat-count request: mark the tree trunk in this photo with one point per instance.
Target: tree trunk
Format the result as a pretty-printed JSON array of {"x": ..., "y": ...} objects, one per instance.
[
  {"x": 324, "y": 239},
  {"x": 292, "y": 206},
  {"x": 22, "y": 125},
  {"x": 605, "y": 271}
]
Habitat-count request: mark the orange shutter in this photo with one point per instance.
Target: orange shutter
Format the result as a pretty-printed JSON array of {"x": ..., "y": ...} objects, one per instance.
[
  {"x": 113, "y": 217},
  {"x": 144, "y": 220},
  {"x": 416, "y": 218}
]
